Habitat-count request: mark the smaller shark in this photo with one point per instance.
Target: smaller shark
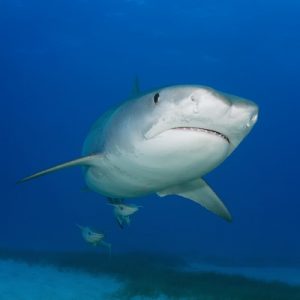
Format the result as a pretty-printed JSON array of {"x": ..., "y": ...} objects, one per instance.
[
  {"x": 94, "y": 238},
  {"x": 123, "y": 211}
]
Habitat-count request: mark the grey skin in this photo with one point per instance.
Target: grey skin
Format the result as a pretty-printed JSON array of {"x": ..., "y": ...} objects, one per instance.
[{"x": 164, "y": 142}]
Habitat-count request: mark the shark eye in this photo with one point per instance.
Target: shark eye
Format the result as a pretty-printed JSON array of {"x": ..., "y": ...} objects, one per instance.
[{"x": 155, "y": 98}]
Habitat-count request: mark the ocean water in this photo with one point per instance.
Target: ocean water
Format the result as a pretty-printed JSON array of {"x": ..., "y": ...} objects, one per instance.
[{"x": 63, "y": 64}]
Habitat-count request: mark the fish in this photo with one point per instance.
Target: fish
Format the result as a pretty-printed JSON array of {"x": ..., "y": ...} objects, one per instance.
[
  {"x": 163, "y": 142},
  {"x": 123, "y": 211},
  {"x": 93, "y": 238}
]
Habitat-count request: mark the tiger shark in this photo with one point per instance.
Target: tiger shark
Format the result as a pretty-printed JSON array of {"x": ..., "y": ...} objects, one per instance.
[{"x": 164, "y": 142}]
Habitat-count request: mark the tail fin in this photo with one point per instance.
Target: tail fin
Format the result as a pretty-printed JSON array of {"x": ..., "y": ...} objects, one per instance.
[{"x": 86, "y": 160}]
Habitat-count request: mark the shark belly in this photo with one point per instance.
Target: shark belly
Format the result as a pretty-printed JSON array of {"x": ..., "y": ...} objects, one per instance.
[{"x": 156, "y": 164}]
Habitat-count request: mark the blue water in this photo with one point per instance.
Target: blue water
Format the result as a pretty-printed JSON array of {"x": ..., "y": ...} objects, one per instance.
[{"x": 63, "y": 63}]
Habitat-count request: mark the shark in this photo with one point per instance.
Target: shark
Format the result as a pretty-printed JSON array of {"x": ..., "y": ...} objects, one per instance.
[{"x": 163, "y": 142}]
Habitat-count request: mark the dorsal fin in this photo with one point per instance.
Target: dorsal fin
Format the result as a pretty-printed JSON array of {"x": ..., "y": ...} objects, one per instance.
[
  {"x": 136, "y": 87},
  {"x": 86, "y": 160}
]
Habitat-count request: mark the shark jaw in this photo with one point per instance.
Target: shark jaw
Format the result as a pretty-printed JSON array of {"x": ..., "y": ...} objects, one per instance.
[
  {"x": 184, "y": 151},
  {"x": 190, "y": 129},
  {"x": 204, "y": 130}
]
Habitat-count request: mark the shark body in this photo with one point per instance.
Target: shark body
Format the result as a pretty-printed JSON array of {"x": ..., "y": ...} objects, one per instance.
[{"x": 164, "y": 142}]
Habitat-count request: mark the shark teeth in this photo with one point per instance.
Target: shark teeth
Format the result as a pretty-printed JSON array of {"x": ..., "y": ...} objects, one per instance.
[{"x": 210, "y": 131}]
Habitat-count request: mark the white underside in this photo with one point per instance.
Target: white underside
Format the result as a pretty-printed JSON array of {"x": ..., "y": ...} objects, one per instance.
[{"x": 171, "y": 158}]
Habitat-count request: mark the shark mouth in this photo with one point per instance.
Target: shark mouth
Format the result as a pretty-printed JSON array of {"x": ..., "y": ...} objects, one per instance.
[{"x": 210, "y": 131}]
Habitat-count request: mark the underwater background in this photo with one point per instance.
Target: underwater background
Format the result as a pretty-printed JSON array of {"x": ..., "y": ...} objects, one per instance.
[{"x": 64, "y": 63}]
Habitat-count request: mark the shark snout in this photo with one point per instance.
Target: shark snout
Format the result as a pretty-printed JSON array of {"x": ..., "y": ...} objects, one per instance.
[
  {"x": 246, "y": 111},
  {"x": 252, "y": 110},
  {"x": 253, "y": 118}
]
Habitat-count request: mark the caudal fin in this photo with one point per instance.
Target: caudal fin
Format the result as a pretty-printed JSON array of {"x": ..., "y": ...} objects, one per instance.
[{"x": 86, "y": 160}]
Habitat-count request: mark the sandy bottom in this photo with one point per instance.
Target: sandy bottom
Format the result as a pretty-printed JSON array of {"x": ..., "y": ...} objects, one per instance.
[
  {"x": 27, "y": 281},
  {"x": 22, "y": 281},
  {"x": 268, "y": 274}
]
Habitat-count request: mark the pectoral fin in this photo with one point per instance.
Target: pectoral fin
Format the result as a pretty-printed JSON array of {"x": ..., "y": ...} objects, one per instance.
[
  {"x": 200, "y": 192},
  {"x": 86, "y": 160}
]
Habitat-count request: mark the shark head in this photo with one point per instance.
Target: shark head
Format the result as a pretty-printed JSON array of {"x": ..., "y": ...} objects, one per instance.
[
  {"x": 200, "y": 110},
  {"x": 183, "y": 127}
]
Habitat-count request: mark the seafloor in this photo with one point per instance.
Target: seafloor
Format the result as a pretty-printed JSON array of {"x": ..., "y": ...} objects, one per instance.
[{"x": 92, "y": 276}]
